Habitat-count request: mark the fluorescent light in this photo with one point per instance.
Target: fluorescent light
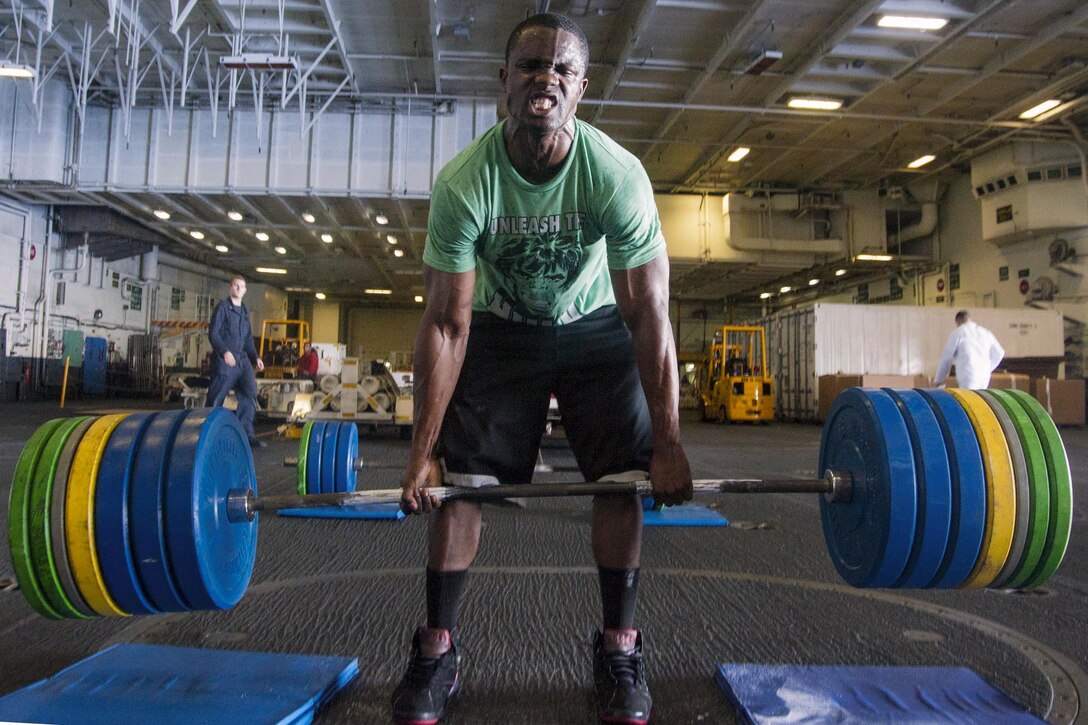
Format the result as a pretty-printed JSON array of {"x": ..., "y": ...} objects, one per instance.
[
  {"x": 815, "y": 104},
  {"x": 296, "y": 289},
  {"x": 398, "y": 252},
  {"x": 764, "y": 295},
  {"x": 16, "y": 70},
  {"x": 911, "y": 23},
  {"x": 235, "y": 215},
  {"x": 281, "y": 250},
  {"x": 372, "y": 291},
  {"x": 319, "y": 295},
  {"x": 921, "y": 161},
  {"x": 785, "y": 289},
  {"x": 391, "y": 239},
  {"x": 381, "y": 219},
  {"x": 873, "y": 258},
  {"x": 419, "y": 298},
  {"x": 164, "y": 215},
  {"x": 739, "y": 153},
  {"x": 196, "y": 234},
  {"x": 261, "y": 236},
  {"x": 259, "y": 61},
  {"x": 308, "y": 217},
  {"x": 1040, "y": 109},
  {"x": 327, "y": 238},
  {"x": 813, "y": 282},
  {"x": 271, "y": 270},
  {"x": 222, "y": 248},
  {"x": 840, "y": 272}
]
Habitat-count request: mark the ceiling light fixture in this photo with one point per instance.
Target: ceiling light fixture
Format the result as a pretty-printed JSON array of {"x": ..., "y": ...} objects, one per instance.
[
  {"x": 763, "y": 61},
  {"x": 921, "y": 161},
  {"x": 373, "y": 291},
  {"x": 419, "y": 298},
  {"x": 904, "y": 22},
  {"x": 308, "y": 217},
  {"x": 738, "y": 153},
  {"x": 391, "y": 239},
  {"x": 815, "y": 104},
  {"x": 786, "y": 289},
  {"x": 381, "y": 219},
  {"x": 196, "y": 234},
  {"x": 398, "y": 252},
  {"x": 281, "y": 250},
  {"x": 764, "y": 295},
  {"x": 272, "y": 270},
  {"x": 319, "y": 295},
  {"x": 164, "y": 215},
  {"x": 16, "y": 70},
  {"x": 296, "y": 289},
  {"x": 327, "y": 238},
  {"x": 222, "y": 248},
  {"x": 259, "y": 61},
  {"x": 867, "y": 257},
  {"x": 813, "y": 282},
  {"x": 235, "y": 215},
  {"x": 1039, "y": 109},
  {"x": 840, "y": 272},
  {"x": 261, "y": 236}
]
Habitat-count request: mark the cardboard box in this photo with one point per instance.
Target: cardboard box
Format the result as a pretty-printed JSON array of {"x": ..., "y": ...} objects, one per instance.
[
  {"x": 1000, "y": 381},
  {"x": 1063, "y": 399},
  {"x": 830, "y": 386}
]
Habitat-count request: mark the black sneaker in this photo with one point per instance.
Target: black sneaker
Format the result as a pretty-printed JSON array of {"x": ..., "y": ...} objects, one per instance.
[
  {"x": 421, "y": 696},
  {"x": 619, "y": 682}
]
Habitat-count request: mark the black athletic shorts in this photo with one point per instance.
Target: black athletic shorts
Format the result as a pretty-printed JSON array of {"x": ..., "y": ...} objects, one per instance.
[{"x": 496, "y": 419}]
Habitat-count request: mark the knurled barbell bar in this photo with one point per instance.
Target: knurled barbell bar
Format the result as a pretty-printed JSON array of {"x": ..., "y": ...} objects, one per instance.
[{"x": 921, "y": 488}]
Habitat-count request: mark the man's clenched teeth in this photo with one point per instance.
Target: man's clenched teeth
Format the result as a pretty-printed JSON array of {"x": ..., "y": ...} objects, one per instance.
[{"x": 542, "y": 103}]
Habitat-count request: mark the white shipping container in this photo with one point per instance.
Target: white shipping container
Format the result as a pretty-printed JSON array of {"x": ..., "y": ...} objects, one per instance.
[{"x": 839, "y": 339}]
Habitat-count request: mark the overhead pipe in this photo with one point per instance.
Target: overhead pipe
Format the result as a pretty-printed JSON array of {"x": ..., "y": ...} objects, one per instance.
[{"x": 1080, "y": 145}]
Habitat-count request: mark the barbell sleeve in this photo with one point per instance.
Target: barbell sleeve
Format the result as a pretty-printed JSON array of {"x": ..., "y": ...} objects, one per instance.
[{"x": 243, "y": 504}]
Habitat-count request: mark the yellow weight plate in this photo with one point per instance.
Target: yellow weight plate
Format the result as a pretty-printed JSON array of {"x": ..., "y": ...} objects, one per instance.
[
  {"x": 1000, "y": 490},
  {"x": 79, "y": 517}
]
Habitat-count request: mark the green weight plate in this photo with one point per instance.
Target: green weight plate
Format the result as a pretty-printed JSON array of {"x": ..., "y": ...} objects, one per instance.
[
  {"x": 1020, "y": 477},
  {"x": 58, "y": 537},
  {"x": 19, "y": 523},
  {"x": 39, "y": 519},
  {"x": 1061, "y": 490},
  {"x": 1038, "y": 490},
  {"x": 303, "y": 448}
]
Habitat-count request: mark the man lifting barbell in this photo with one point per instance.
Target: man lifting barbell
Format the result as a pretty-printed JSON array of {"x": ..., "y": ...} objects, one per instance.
[{"x": 546, "y": 272}]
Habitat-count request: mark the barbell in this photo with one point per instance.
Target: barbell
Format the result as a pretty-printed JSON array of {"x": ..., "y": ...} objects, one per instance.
[{"x": 156, "y": 512}]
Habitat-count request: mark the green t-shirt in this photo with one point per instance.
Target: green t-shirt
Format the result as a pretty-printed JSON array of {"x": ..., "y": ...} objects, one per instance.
[{"x": 542, "y": 251}]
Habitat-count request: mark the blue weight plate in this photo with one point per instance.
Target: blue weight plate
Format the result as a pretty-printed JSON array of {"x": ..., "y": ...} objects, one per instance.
[
  {"x": 870, "y": 537},
  {"x": 328, "y": 458},
  {"x": 313, "y": 457},
  {"x": 347, "y": 449},
  {"x": 211, "y": 557},
  {"x": 968, "y": 522},
  {"x": 147, "y": 512},
  {"x": 112, "y": 523},
  {"x": 934, "y": 489}
]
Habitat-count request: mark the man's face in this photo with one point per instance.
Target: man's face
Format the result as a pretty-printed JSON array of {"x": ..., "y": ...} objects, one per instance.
[
  {"x": 544, "y": 79},
  {"x": 237, "y": 288}
]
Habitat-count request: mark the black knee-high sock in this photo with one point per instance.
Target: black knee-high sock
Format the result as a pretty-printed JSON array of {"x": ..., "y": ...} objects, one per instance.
[
  {"x": 444, "y": 589},
  {"x": 619, "y": 594}
]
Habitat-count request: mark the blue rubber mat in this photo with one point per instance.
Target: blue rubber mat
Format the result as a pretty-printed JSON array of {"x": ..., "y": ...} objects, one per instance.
[
  {"x": 143, "y": 683},
  {"x": 389, "y": 511},
  {"x": 841, "y": 694},
  {"x": 689, "y": 514}
]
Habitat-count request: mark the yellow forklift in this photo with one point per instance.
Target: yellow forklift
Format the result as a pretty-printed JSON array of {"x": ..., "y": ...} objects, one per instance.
[
  {"x": 736, "y": 384},
  {"x": 281, "y": 346}
]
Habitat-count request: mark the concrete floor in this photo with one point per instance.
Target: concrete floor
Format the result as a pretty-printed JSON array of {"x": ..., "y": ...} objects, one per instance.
[{"x": 761, "y": 591}]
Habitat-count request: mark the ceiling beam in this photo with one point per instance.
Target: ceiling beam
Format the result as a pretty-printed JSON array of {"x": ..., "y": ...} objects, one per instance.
[{"x": 634, "y": 32}]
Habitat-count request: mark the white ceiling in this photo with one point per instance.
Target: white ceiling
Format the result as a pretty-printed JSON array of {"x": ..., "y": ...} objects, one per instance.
[{"x": 667, "y": 80}]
